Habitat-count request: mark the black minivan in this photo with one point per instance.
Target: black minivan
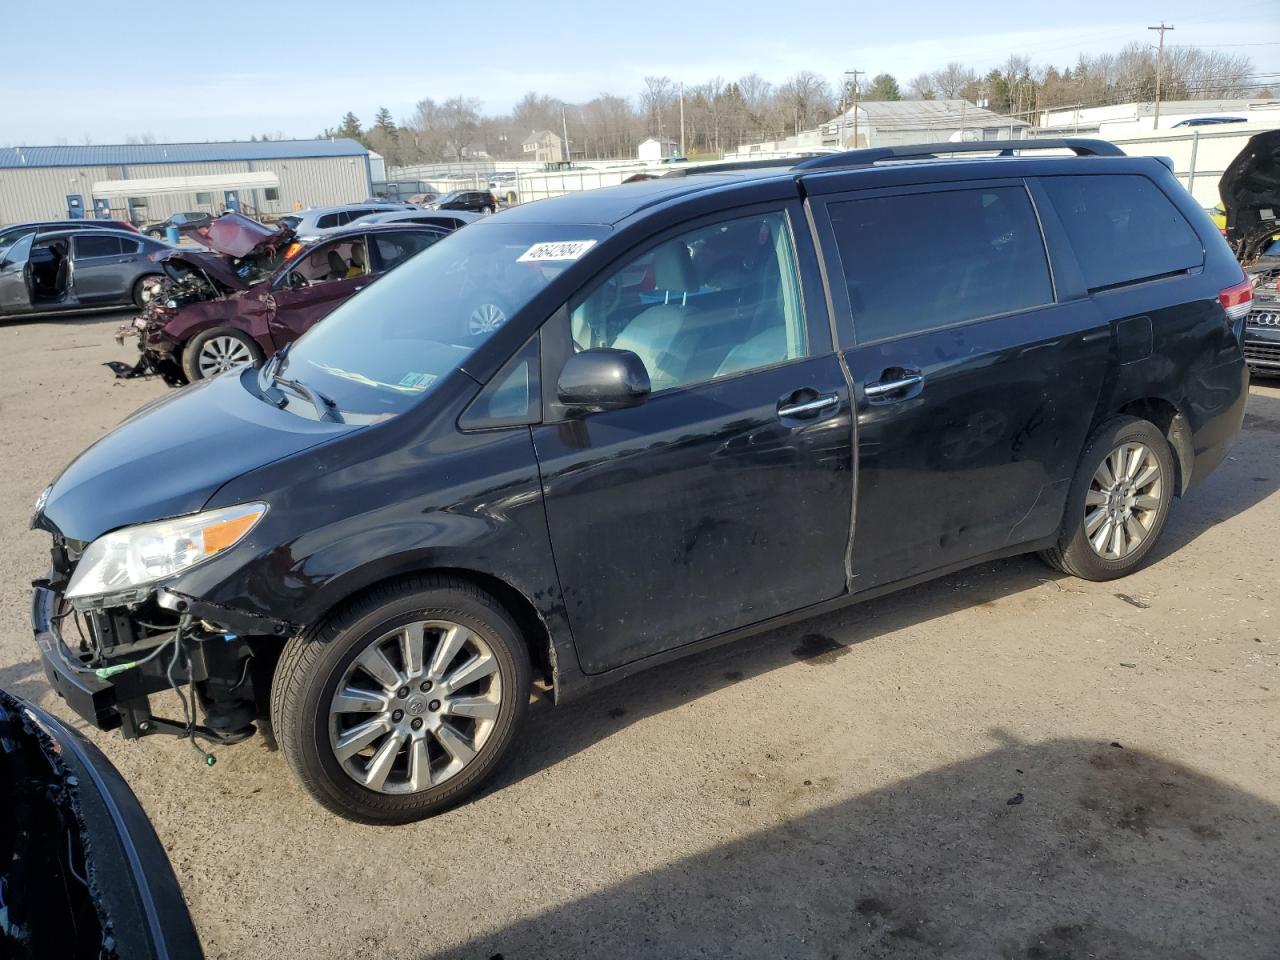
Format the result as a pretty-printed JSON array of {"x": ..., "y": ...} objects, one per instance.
[{"x": 613, "y": 428}]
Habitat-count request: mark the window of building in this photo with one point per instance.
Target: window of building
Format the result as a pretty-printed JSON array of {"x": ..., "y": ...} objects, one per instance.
[
  {"x": 917, "y": 261},
  {"x": 271, "y": 193},
  {"x": 1123, "y": 228},
  {"x": 204, "y": 198}
]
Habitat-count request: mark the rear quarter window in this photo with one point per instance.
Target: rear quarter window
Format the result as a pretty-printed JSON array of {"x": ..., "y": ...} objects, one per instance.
[
  {"x": 917, "y": 261},
  {"x": 328, "y": 220},
  {"x": 1123, "y": 228}
]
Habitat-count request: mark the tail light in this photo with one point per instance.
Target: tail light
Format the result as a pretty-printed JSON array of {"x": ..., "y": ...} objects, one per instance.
[{"x": 1237, "y": 299}]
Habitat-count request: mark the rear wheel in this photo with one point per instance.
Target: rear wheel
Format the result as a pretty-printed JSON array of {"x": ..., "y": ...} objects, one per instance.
[
  {"x": 217, "y": 351},
  {"x": 403, "y": 703},
  {"x": 1118, "y": 503}
]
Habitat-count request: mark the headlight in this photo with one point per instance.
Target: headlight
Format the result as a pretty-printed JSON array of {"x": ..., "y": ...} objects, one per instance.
[{"x": 122, "y": 561}]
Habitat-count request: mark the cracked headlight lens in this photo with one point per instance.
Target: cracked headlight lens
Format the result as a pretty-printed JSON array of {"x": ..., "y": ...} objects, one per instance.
[{"x": 141, "y": 555}]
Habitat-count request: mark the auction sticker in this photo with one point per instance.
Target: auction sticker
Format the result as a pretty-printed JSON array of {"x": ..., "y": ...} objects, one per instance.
[{"x": 556, "y": 250}]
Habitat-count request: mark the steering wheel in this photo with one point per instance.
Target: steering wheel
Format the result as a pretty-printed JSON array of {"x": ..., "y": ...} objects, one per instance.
[{"x": 296, "y": 279}]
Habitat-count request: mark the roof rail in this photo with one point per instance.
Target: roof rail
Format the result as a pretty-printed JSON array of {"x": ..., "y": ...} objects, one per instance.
[
  {"x": 866, "y": 157},
  {"x": 729, "y": 166}
]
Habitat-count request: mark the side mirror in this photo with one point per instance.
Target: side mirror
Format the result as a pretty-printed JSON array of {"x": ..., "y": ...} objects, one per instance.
[{"x": 603, "y": 379}]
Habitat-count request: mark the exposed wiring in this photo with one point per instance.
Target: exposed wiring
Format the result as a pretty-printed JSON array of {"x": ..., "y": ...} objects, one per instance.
[{"x": 188, "y": 708}]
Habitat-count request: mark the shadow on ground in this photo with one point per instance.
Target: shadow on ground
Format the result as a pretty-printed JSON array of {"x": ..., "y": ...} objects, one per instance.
[{"x": 1051, "y": 851}]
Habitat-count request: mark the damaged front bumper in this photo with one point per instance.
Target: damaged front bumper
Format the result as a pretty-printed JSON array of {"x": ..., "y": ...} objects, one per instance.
[
  {"x": 157, "y": 352},
  {"x": 121, "y": 655}
]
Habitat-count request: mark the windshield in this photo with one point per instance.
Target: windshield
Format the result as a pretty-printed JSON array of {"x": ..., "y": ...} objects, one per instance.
[
  {"x": 8, "y": 237},
  {"x": 381, "y": 351}
]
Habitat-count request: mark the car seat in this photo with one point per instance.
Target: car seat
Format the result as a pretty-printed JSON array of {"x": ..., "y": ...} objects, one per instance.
[
  {"x": 660, "y": 335},
  {"x": 337, "y": 266}
]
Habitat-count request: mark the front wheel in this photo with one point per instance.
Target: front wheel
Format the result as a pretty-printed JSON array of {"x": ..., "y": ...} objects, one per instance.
[
  {"x": 404, "y": 702},
  {"x": 217, "y": 351},
  {"x": 1118, "y": 502}
]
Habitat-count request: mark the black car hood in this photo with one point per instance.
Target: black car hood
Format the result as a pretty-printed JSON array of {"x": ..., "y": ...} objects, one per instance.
[
  {"x": 1250, "y": 192},
  {"x": 171, "y": 456}
]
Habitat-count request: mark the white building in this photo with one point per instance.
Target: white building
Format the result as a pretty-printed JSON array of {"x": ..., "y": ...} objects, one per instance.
[
  {"x": 654, "y": 150},
  {"x": 147, "y": 182}
]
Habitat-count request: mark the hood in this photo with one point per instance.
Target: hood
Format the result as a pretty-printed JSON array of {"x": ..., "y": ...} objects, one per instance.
[
  {"x": 1250, "y": 191},
  {"x": 215, "y": 266},
  {"x": 171, "y": 456},
  {"x": 237, "y": 236}
]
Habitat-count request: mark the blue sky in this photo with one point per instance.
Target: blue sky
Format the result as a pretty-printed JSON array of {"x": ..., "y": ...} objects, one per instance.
[{"x": 219, "y": 70}]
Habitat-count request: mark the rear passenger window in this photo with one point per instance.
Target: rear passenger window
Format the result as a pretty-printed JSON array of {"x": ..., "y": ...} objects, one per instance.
[
  {"x": 395, "y": 248},
  {"x": 715, "y": 302},
  {"x": 328, "y": 220},
  {"x": 922, "y": 260},
  {"x": 1123, "y": 228},
  {"x": 91, "y": 246}
]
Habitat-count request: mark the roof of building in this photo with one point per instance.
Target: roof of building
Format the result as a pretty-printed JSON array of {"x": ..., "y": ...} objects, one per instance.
[
  {"x": 538, "y": 136},
  {"x": 929, "y": 113},
  {"x": 126, "y": 153}
]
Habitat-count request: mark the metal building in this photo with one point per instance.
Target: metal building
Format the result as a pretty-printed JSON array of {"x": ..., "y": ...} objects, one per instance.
[{"x": 144, "y": 183}]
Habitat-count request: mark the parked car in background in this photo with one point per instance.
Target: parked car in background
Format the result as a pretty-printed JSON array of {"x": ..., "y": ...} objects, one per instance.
[
  {"x": 83, "y": 873},
  {"x": 623, "y": 425},
  {"x": 503, "y": 187},
  {"x": 191, "y": 219},
  {"x": 477, "y": 201},
  {"x": 311, "y": 223},
  {"x": 73, "y": 270},
  {"x": 1209, "y": 121},
  {"x": 448, "y": 219},
  {"x": 422, "y": 199},
  {"x": 14, "y": 232},
  {"x": 210, "y": 317}
]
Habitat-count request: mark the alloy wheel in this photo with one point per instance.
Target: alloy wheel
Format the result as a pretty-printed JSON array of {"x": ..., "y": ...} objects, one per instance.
[
  {"x": 415, "y": 707},
  {"x": 1123, "y": 501},
  {"x": 220, "y": 354}
]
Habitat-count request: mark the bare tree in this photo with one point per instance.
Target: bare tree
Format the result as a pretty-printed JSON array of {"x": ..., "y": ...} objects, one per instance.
[{"x": 656, "y": 100}]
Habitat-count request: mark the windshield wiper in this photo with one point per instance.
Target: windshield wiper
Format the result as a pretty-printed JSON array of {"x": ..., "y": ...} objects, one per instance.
[{"x": 326, "y": 408}]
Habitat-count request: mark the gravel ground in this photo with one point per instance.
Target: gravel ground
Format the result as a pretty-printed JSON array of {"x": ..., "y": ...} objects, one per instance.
[{"x": 1002, "y": 763}]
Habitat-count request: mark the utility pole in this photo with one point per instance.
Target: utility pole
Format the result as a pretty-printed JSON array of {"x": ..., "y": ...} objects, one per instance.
[
  {"x": 564, "y": 125},
  {"x": 682, "y": 153},
  {"x": 855, "y": 74},
  {"x": 1155, "y": 123}
]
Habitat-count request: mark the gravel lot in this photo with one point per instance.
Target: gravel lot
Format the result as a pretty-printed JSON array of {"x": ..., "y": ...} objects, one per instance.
[{"x": 1003, "y": 763}]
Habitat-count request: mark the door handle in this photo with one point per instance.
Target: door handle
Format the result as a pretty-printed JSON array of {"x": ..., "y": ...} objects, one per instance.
[
  {"x": 809, "y": 406},
  {"x": 882, "y": 390}
]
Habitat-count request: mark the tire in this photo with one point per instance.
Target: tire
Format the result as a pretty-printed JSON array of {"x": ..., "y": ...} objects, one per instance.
[
  {"x": 310, "y": 726},
  {"x": 200, "y": 356},
  {"x": 1094, "y": 511},
  {"x": 139, "y": 300}
]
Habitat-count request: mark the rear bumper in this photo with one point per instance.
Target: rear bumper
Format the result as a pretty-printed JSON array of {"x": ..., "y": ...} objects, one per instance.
[{"x": 1223, "y": 393}]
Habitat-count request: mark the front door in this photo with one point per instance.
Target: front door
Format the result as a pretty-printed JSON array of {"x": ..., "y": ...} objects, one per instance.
[
  {"x": 314, "y": 285},
  {"x": 724, "y": 499},
  {"x": 15, "y": 289},
  {"x": 975, "y": 383},
  {"x": 75, "y": 206}
]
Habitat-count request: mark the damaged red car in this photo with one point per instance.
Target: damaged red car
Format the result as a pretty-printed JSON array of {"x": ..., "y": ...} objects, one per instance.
[{"x": 249, "y": 289}]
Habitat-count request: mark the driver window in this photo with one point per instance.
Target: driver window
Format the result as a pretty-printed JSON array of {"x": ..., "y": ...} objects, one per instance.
[
  {"x": 340, "y": 260},
  {"x": 717, "y": 301}
]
